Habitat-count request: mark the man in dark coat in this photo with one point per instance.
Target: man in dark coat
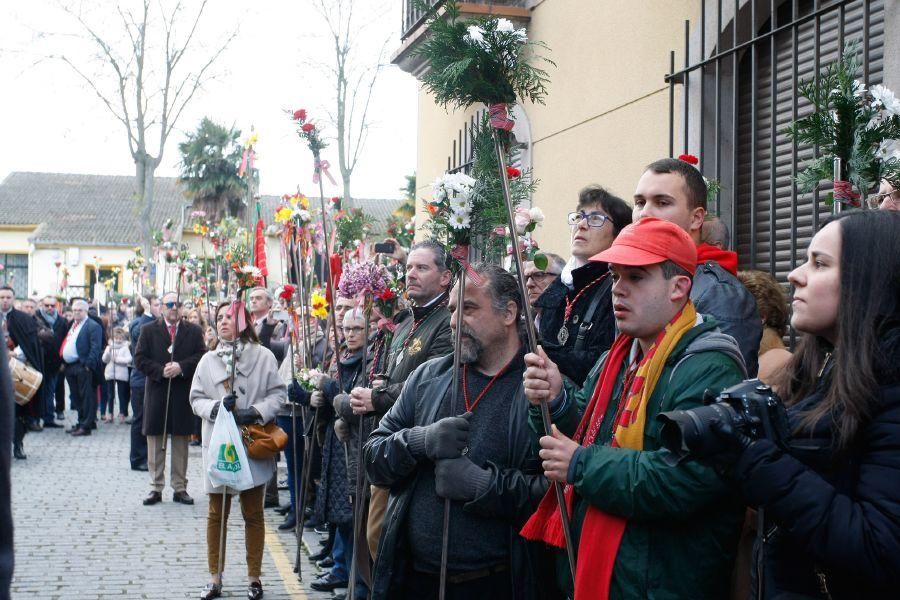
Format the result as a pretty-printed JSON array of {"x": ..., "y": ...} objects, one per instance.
[
  {"x": 52, "y": 330},
  {"x": 81, "y": 351},
  {"x": 7, "y": 556},
  {"x": 21, "y": 331},
  {"x": 482, "y": 461},
  {"x": 146, "y": 311},
  {"x": 167, "y": 354}
]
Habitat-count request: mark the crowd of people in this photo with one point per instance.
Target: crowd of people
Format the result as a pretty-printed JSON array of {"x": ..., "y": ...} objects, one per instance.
[{"x": 428, "y": 463}]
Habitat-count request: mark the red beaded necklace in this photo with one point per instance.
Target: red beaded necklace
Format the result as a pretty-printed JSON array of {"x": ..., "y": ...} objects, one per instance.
[
  {"x": 465, "y": 382},
  {"x": 570, "y": 304}
]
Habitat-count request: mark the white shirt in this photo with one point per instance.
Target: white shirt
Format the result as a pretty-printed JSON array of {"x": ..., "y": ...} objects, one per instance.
[{"x": 69, "y": 351}]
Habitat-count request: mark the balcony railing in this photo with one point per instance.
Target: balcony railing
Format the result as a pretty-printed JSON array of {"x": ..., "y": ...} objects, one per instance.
[{"x": 415, "y": 12}]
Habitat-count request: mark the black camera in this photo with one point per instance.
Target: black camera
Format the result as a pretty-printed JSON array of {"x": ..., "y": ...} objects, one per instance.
[{"x": 751, "y": 408}]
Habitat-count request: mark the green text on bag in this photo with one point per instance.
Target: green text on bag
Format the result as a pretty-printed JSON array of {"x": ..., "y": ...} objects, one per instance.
[{"x": 228, "y": 459}]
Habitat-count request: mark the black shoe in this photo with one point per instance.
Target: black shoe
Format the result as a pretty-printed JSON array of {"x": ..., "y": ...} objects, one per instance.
[
  {"x": 80, "y": 432},
  {"x": 290, "y": 521},
  {"x": 194, "y": 443},
  {"x": 60, "y": 416},
  {"x": 182, "y": 498},
  {"x": 283, "y": 509},
  {"x": 327, "y": 582},
  {"x": 35, "y": 426},
  {"x": 254, "y": 591},
  {"x": 155, "y": 498},
  {"x": 325, "y": 563},
  {"x": 141, "y": 467},
  {"x": 325, "y": 552},
  {"x": 52, "y": 425},
  {"x": 212, "y": 590},
  {"x": 272, "y": 504},
  {"x": 321, "y": 529},
  {"x": 19, "y": 452}
]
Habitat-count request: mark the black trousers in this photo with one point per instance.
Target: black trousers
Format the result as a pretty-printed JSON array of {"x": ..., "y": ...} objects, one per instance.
[
  {"x": 84, "y": 394},
  {"x": 60, "y": 393},
  {"x": 123, "y": 389},
  {"x": 425, "y": 586},
  {"x": 138, "y": 455}
]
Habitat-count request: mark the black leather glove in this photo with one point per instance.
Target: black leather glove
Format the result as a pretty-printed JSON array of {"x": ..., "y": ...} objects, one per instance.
[
  {"x": 214, "y": 411},
  {"x": 442, "y": 439},
  {"x": 460, "y": 479},
  {"x": 736, "y": 443},
  {"x": 229, "y": 401},
  {"x": 246, "y": 416}
]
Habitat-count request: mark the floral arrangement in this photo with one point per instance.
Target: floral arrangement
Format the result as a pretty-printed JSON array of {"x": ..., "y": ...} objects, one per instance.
[
  {"x": 480, "y": 60},
  {"x": 451, "y": 207},
  {"x": 401, "y": 229},
  {"x": 135, "y": 264},
  {"x": 712, "y": 185},
  {"x": 363, "y": 279},
  {"x": 286, "y": 293},
  {"x": 318, "y": 304},
  {"x": 247, "y": 276},
  {"x": 352, "y": 226},
  {"x": 294, "y": 208},
  {"x": 309, "y": 379},
  {"x": 858, "y": 125},
  {"x": 307, "y": 131}
]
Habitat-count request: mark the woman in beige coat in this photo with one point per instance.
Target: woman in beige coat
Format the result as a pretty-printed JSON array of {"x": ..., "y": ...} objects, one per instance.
[{"x": 255, "y": 398}]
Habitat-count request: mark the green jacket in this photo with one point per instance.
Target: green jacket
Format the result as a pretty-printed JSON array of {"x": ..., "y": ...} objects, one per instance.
[{"x": 683, "y": 523}]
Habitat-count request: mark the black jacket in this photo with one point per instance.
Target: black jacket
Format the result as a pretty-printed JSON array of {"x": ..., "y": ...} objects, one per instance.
[
  {"x": 151, "y": 356},
  {"x": 513, "y": 493},
  {"x": 576, "y": 358},
  {"x": 836, "y": 517},
  {"x": 51, "y": 337}
]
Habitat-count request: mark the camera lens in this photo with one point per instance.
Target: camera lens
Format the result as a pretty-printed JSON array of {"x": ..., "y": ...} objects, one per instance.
[{"x": 688, "y": 432}]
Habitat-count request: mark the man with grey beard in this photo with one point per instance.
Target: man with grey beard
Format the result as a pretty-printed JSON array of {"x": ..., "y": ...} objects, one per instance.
[{"x": 473, "y": 450}]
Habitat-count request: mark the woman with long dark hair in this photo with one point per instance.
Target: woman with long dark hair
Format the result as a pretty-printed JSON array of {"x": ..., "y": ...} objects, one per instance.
[
  {"x": 253, "y": 396},
  {"x": 831, "y": 499}
]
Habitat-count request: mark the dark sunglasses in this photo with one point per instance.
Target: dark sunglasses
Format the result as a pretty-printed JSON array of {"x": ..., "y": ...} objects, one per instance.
[{"x": 171, "y": 305}]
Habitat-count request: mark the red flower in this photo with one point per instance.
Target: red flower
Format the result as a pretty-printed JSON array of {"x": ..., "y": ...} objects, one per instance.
[
  {"x": 512, "y": 172},
  {"x": 689, "y": 159},
  {"x": 287, "y": 292},
  {"x": 300, "y": 115},
  {"x": 308, "y": 127},
  {"x": 387, "y": 294}
]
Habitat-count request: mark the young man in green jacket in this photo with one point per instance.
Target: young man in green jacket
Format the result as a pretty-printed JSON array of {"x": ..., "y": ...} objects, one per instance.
[{"x": 642, "y": 526}]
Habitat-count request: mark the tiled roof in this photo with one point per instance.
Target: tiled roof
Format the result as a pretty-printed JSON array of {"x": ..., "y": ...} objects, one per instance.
[
  {"x": 74, "y": 209},
  {"x": 99, "y": 210}
]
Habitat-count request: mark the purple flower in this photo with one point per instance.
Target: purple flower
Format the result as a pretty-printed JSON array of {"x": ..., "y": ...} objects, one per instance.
[{"x": 363, "y": 278}]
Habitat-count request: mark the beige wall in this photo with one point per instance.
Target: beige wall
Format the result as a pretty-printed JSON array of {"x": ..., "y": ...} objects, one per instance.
[{"x": 606, "y": 114}]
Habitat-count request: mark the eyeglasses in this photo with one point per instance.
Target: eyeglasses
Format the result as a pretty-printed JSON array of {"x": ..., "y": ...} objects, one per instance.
[
  {"x": 594, "y": 219},
  {"x": 875, "y": 200},
  {"x": 540, "y": 275},
  {"x": 349, "y": 330},
  {"x": 171, "y": 305}
]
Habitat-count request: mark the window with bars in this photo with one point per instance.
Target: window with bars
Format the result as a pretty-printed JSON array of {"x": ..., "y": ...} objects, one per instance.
[
  {"x": 14, "y": 273},
  {"x": 738, "y": 99}
]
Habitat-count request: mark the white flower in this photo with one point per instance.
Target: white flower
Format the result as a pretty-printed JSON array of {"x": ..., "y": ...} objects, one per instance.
[
  {"x": 459, "y": 202},
  {"x": 858, "y": 88},
  {"x": 505, "y": 26},
  {"x": 475, "y": 35},
  {"x": 889, "y": 149},
  {"x": 521, "y": 36},
  {"x": 460, "y": 220},
  {"x": 885, "y": 99},
  {"x": 536, "y": 214},
  {"x": 251, "y": 270}
]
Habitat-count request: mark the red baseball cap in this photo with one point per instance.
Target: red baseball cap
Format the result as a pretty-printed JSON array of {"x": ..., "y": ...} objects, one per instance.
[{"x": 651, "y": 241}]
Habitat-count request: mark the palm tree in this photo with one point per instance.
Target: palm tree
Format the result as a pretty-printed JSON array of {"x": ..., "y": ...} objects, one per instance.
[{"x": 210, "y": 158}]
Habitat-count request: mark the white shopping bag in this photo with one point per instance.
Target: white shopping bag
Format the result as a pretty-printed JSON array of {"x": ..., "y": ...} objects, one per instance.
[{"x": 226, "y": 458}]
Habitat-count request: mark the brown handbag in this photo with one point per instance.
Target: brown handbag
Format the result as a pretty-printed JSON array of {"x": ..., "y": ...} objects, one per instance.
[{"x": 263, "y": 441}]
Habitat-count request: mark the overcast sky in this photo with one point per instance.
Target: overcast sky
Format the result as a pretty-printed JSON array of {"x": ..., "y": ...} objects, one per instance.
[{"x": 52, "y": 121}]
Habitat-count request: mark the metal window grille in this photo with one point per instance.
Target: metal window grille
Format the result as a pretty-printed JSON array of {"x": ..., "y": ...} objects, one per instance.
[
  {"x": 738, "y": 99},
  {"x": 462, "y": 155},
  {"x": 15, "y": 273}
]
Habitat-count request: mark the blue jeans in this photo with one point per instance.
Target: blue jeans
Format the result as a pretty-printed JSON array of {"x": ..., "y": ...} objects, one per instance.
[
  {"x": 286, "y": 424},
  {"x": 49, "y": 390},
  {"x": 342, "y": 552}
]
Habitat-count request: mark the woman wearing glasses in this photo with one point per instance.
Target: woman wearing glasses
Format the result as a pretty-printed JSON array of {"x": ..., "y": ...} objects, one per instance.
[
  {"x": 887, "y": 198},
  {"x": 576, "y": 322}
]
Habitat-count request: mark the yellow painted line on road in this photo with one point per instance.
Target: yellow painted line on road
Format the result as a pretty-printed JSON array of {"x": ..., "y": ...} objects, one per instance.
[{"x": 284, "y": 564}]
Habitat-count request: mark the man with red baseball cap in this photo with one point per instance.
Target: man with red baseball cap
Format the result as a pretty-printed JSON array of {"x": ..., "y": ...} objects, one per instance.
[{"x": 642, "y": 526}]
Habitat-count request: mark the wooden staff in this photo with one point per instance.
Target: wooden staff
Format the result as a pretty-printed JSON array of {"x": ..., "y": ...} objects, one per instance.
[
  {"x": 454, "y": 405},
  {"x": 532, "y": 335},
  {"x": 171, "y": 359}
]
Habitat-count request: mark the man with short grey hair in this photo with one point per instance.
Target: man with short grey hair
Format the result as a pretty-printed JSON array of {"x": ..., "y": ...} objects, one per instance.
[{"x": 80, "y": 353}]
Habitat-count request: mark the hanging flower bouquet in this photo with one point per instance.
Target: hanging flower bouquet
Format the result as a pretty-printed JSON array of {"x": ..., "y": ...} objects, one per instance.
[
  {"x": 352, "y": 227},
  {"x": 859, "y": 126},
  {"x": 294, "y": 209},
  {"x": 307, "y": 131},
  {"x": 247, "y": 276},
  {"x": 481, "y": 60},
  {"x": 363, "y": 279},
  {"x": 309, "y": 379}
]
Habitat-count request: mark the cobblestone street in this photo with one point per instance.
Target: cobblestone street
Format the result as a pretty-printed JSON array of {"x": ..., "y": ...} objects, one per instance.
[{"x": 82, "y": 532}]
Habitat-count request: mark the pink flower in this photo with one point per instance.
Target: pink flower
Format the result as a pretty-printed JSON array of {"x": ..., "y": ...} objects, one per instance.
[{"x": 523, "y": 219}]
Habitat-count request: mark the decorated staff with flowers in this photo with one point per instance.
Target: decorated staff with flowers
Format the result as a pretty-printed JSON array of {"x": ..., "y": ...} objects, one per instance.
[{"x": 489, "y": 61}]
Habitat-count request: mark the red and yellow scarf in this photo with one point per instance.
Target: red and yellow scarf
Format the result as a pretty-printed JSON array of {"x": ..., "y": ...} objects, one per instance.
[{"x": 601, "y": 533}]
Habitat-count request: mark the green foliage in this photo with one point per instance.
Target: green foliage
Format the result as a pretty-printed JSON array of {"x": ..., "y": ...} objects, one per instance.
[
  {"x": 210, "y": 157},
  {"x": 849, "y": 123},
  {"x": 352, "y": 225},
  {"x": 492, "y": 68}
]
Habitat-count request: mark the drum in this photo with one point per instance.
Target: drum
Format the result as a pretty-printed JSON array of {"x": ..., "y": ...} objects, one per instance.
[{"x": 26, "y": 380}]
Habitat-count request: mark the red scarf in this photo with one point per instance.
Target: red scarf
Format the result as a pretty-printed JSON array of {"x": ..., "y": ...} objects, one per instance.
[
  {"x": 601, "y": 533},
  {"x": 727, "y": 259}
]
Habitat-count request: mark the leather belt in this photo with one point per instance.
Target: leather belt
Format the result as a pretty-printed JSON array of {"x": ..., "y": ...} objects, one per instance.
[{"x": 478, "y": 574}]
